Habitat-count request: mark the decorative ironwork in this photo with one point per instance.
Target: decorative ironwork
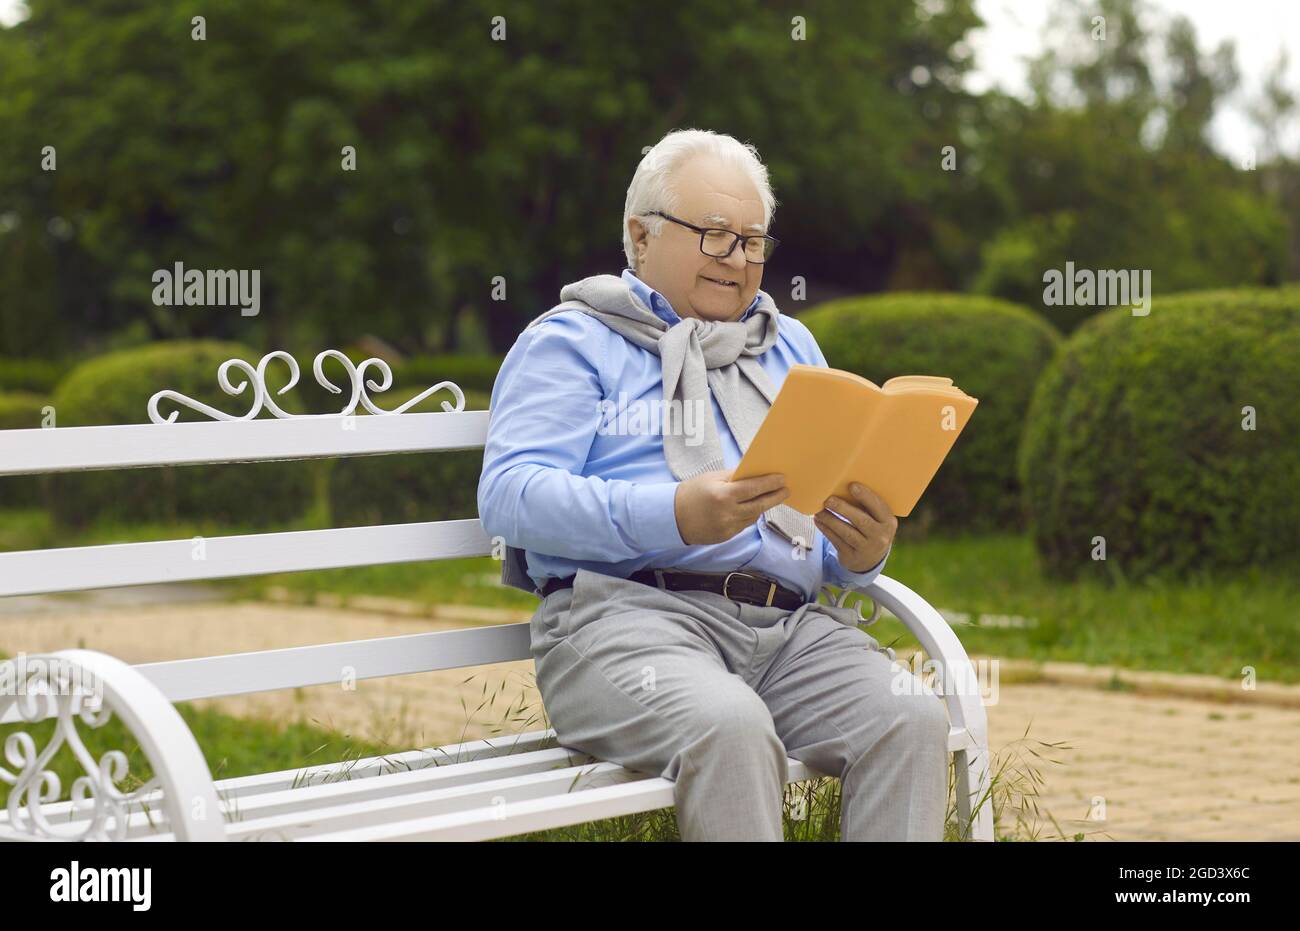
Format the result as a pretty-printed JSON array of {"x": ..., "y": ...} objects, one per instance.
[
  {"x": 840, "y": 601},
  {"x": 99, "y": 809},
  {"x": 263, "y": 398},
  {"x": 832, "y": 601}
]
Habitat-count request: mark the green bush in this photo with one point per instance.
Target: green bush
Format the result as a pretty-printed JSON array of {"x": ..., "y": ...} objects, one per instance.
[
  {"x": 115, "y": 389},
  {"x": 991, "y": 349},
  {"x": 470, "y": 372},
  {"x": 1228, "y": 238},
  {"x": 408, "y": 487},
  {"x": 31, "y": 375},
  {"x": 1136, "y": 435},
  {"x": 21, "y": 411}
]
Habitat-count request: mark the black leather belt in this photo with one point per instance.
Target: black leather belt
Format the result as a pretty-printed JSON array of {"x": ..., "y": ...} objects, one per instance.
[{"x": 747, "y": 587}]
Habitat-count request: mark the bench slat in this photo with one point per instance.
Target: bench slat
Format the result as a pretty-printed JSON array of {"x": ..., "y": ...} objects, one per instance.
[
  {"x": 126, "y": 446},
  {"x": 438, "y": 788},
  {"x": 525, "y": 816},
  {"x": 499, "y": 794},
  {"x": 470, "y": 810},
  {"x": 469, "y": 751},
  {"x": 237, "y": 789},
  {"x": 76, "y": 568},
  {"x": 532, "y": 814},
  {"x": 326, "y": 663}
]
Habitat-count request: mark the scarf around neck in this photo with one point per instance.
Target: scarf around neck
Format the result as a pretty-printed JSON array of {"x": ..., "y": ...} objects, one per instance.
[{"x": 697, "y": 357}]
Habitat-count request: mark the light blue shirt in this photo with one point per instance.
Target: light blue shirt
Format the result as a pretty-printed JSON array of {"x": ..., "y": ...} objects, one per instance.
[{"x": 561, "y": 483}]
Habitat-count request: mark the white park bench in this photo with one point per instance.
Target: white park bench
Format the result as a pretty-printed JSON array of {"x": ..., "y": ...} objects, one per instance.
[{"x": 478, "y": 790}]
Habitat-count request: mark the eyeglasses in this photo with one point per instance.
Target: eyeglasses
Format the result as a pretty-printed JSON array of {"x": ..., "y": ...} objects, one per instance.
[{"x": 719, "y": 243}]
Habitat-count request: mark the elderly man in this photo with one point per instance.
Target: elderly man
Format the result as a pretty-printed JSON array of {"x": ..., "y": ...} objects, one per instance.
[{"x": 680, "y": 632}]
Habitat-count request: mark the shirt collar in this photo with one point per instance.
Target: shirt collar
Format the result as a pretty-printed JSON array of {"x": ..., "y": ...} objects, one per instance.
[{"x": 659, "y": 304}]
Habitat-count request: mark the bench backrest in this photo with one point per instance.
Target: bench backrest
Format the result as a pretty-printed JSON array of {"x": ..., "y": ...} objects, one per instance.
[{"x": 73, "y": 449}]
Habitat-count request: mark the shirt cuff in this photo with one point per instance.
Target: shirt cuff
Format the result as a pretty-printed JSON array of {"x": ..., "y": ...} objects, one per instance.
[
  {"x": 654, "y": 515},
  {"x": 845, "y": 578}
]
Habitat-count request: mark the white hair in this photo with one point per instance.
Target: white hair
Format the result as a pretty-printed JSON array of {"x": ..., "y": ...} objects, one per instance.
[{"x": 652, "y": 188}]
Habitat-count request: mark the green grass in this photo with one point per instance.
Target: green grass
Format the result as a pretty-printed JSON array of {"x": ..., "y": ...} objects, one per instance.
[
  {"x": 1208, "y": 625},
  {"x": 452, "y": 581}
]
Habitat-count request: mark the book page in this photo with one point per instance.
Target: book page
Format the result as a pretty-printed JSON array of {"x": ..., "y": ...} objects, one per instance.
[
  {"x": 908, "y": 439},
  {"x": 828, "y": 427},
  {"x": 908, "y": 382},
  {"x": 812, "y": 429}
]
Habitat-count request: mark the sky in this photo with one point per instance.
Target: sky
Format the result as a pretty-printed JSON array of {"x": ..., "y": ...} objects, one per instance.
[{"x": 1260, "y": 28}]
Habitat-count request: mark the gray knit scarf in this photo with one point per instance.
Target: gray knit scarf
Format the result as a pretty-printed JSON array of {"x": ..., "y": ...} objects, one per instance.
[{"x": 697, "y": 356}]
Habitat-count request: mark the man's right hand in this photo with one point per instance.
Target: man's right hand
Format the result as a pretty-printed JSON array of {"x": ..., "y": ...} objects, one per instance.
[{"x": 711, "y": 509}]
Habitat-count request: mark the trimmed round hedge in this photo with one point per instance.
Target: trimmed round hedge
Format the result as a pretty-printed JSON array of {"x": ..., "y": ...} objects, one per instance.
[
  {"x": 470, "y": 372},
  {"x": 37, "y": 376},
  {"x": 408, "y": 487},
  {"x": 21, "y": 410},
  {"x": 991, "y": 349},
  {"x": 1136, "y": 435},
  {"x": 115, "y": 389}
]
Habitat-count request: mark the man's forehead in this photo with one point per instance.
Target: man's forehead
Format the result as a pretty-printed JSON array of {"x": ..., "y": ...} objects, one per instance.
[
  {"x": 726, "y": 221},
  {"x": 711, "y": 192}
]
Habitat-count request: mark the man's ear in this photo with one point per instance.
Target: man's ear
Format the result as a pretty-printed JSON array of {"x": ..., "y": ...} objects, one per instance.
[{"x": 638, "y": 233}]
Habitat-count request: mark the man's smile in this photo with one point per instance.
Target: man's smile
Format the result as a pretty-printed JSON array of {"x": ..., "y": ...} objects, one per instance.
[{"x": 721, "y": 282}]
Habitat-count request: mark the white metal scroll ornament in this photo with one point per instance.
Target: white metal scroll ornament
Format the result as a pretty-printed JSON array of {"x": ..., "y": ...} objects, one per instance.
[{"x": 262, "y": 398}]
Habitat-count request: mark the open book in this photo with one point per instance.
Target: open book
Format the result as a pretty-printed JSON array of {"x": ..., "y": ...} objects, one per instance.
[{"x": 828, "y": 427}]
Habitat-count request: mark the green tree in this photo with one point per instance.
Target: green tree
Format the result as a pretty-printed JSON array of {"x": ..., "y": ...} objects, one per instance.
[
  {"x": 478, "y": 157},
  {"x": 1109, "y": 166}
]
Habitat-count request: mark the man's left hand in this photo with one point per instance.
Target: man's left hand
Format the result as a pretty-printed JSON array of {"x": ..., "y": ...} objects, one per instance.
[{"x": 865, "y": 539}]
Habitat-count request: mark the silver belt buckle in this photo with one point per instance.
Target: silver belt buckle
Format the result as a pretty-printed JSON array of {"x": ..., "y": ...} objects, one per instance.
[{"x": 771, "y": 591}]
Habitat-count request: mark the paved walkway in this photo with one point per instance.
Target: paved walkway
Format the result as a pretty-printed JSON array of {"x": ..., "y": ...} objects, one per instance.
[{"x": 1129, "y": 766}]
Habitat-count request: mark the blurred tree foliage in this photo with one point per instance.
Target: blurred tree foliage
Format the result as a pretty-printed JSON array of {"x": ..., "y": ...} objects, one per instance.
[
  {"x": 478, "y": 160},
  {"x": 1110, "y": 166}
]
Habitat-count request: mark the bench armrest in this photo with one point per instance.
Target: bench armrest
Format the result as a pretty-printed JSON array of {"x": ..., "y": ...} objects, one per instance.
[{"x": 960, "y": 684}]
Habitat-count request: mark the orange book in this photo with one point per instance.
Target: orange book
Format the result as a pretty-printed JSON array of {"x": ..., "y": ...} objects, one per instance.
[{"x": 828, "y": 427}]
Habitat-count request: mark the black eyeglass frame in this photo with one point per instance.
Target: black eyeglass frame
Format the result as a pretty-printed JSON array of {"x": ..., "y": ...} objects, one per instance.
[{"x": 767, "y": 252}]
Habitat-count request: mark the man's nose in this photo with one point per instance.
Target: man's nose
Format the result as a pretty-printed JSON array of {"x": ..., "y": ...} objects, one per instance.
[{"x": 736, "y": 259}]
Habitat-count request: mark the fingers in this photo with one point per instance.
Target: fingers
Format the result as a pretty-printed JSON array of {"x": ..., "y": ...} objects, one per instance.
[
  {"x": 844, "y": 536},
  {"x": 855, "y": 515},
  {"x": 750, "y": 489},
  {"x": 757, "y": 506},
  {"x": 872, "y": 502}
]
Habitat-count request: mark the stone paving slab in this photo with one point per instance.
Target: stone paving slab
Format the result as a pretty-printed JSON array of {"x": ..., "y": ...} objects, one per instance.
[{"x": 1160, "y": 767}]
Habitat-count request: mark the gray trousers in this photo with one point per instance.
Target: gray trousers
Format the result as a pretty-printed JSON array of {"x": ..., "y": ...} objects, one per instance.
[{"x": 715, "y": 695}]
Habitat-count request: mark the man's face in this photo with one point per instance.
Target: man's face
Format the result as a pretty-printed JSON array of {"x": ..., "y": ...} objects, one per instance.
[{"x": 715, "y": 194}]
